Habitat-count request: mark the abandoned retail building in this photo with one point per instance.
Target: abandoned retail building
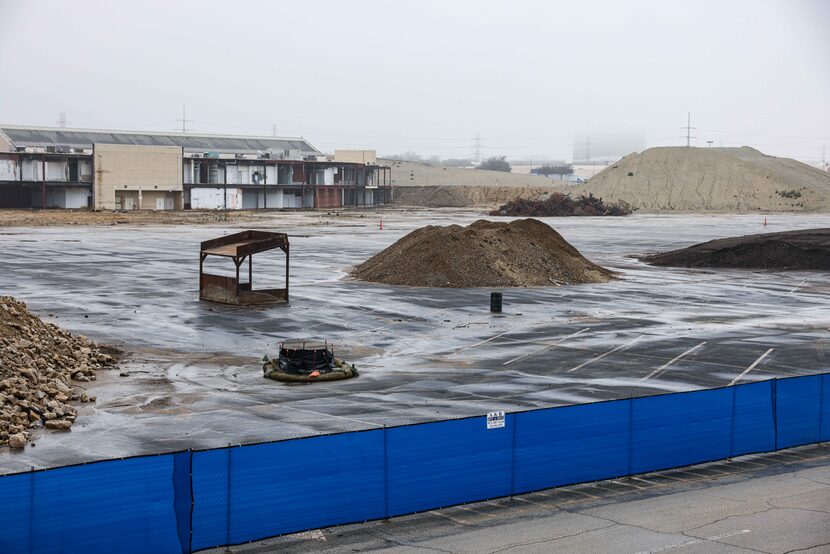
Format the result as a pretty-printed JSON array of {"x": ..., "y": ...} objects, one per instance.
[{"x": 126, "y": 170}]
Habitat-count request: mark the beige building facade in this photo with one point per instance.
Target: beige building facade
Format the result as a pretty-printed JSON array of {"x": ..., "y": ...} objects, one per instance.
[
  {"x": 356, "y": 156},
  {"x": 136, "y": 177}
]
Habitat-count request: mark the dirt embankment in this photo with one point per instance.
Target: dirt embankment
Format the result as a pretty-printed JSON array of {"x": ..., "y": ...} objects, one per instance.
[
  {"x": 809, "y": 249},
  {"x": 522, "y": 253},
  {"x": 39, "y": 366},
  {"x": 38, "y": 218},
  {"x": 463, "y": 196},
  {"x": 732, "y": 180}
]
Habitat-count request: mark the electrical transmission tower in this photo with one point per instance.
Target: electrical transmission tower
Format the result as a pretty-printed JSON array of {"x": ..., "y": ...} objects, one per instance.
[
  {"x": 62, "y": 122},
  {"x": 184, "y": 121},
  {"x": 689, "y": 128},
  {"x": 478, "y": 148}
]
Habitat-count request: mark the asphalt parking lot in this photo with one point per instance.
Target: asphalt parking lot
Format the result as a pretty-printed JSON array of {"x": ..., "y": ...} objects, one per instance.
[{"x": 425, "y": 354}]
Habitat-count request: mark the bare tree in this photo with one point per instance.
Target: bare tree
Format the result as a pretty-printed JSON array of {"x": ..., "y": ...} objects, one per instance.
[
  {"x": 495, "y": 163},
  {"x": 559, "y": 169}
]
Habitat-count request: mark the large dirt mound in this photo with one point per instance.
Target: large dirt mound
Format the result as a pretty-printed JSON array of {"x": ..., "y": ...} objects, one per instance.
[
  {"x": 808, "y": 249},
  {"x": 522, "y": 253},
  {"x": 711, "y": 180},
  {"x": 38, "y": 364}
]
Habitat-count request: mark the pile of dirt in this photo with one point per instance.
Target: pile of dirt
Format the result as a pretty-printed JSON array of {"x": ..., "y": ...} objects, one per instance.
[
  {"x": 731, "y": 180},
  {"x": 38, "y": 364},
  {"x": 808, "y": 249},
  {"x": 559, "y": 205},
  {"x": 522, "y": 253}
]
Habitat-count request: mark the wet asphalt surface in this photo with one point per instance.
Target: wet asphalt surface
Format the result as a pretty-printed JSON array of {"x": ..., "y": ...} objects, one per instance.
[{"x": 194, "y": 371}]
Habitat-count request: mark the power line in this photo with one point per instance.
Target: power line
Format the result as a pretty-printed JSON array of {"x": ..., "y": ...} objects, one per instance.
[
  {"x": 689, "y": 128},
  {"x": 184, "y": 121},
  {"x": 762, "y": 135},
  {"x": 62, "y": 122},
  {"x": 478, "y": 148}
]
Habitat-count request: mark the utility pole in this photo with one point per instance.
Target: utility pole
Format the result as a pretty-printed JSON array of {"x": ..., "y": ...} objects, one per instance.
[
  {"x": 62, "y": 122},
  {"x": 184, "y": 120},
  {"x": 689, "y": 128},
  {"x": 273, "y": 129},
  {"x": 478, "y": 148}
]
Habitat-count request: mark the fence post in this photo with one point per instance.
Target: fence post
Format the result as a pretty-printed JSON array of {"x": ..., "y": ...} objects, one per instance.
[
  {"x": 32, "y": 509},
  {"x": 192, "y": 500},
  {"x": 228, "y": 522},
  {"x": 630, "y": 434},
  {"x": 774, "y": 389},
  {"x": 732, "y": 425},
  {"x": 821, "y": 407},
  {"x": 385, "y": 477},
  {"x": 514, "y": 421}
]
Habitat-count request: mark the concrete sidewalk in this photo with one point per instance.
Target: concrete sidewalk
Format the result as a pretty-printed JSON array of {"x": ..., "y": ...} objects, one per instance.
[{"x": 776, "y": 503}]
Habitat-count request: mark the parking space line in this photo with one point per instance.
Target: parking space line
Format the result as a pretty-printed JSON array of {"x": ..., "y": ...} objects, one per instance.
[
  {"x": 546, "y": 347},
  {"x": 751, "y": 367},
  {"x": 620, "y": 347},
  {"x": 798, "y": 286},
  {"x": 670, "y": 362},
  {"x": 454, "y": 520},
  {"x": 485, "y": 341}
]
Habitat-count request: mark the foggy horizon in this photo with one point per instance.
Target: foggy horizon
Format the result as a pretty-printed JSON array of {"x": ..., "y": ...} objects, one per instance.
[{"x": 428, "y": 77}]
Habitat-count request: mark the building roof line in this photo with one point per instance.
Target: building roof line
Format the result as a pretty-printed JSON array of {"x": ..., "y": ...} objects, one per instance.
[{"x": 148, "y": 133}]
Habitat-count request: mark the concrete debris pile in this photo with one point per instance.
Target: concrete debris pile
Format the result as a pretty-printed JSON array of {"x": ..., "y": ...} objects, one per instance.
[
  {"x": 807, "y": 249},
  {"x": 522, "y": 253},
  {"x": 38, "y": 364}
]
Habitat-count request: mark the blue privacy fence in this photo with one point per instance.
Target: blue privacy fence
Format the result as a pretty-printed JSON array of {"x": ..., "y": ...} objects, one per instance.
[{"x": 194, "y": 500}]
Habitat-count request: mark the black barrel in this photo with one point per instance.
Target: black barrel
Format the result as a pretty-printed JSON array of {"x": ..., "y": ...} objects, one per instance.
[{"x": 495, "y": 302}]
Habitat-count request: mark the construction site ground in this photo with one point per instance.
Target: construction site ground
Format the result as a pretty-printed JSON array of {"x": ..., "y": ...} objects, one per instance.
[{"x": 192, "y": 369}]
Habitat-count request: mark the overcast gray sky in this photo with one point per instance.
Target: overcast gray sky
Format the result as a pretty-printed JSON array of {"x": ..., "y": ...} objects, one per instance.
[{"x": 427, "y": 76}]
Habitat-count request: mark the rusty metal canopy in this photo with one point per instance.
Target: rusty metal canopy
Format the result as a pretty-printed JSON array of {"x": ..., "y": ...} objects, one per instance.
[{"x": 245, "y": 243}]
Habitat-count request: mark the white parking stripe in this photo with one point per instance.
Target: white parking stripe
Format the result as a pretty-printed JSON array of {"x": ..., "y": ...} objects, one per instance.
[
  {"x": 670, "y": 362},
  {"x": 547, "y": 346},
  {"x": 801, "y": 284},
  {"x": 750, "y": 368},
  {"x": 625, "y": 345},
  {"x": 485, "y": 341}
]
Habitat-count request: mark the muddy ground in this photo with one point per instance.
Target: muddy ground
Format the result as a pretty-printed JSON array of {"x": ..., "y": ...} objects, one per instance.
[
  {"x": 194, "y": 379},
  {"x": 41, "y": 218}
]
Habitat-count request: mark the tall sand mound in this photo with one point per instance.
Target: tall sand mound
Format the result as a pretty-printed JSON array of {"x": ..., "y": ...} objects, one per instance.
[
  {"x": 808, "y": 249},
  {"x": 522, "y": 253},
  {"x": 711, "y": 180}
]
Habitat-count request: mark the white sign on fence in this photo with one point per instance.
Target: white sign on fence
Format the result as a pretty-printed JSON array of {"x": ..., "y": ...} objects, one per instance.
[{"x": 495, "y": 420}]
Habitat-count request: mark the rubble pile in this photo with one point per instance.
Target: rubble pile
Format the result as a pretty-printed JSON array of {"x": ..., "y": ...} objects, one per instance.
[
  {"x": 559, "y": 205},
  {"x": 521, "y": 253},
  {"x": 40, "y": 365}
]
